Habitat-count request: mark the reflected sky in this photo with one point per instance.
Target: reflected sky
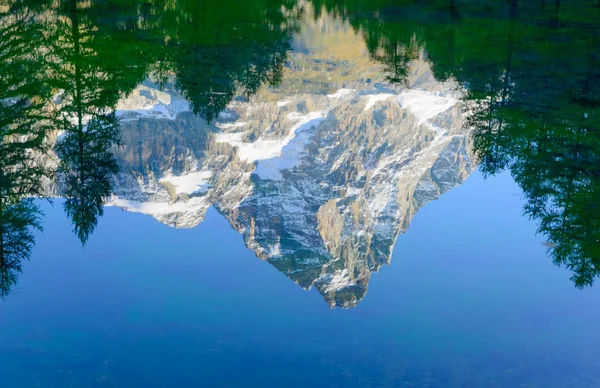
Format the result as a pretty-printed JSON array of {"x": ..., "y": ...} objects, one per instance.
[
  {"x": 187, "y": 301},
  {"x": 213, "y": 173},
  {"x": 319, "y": 129}
]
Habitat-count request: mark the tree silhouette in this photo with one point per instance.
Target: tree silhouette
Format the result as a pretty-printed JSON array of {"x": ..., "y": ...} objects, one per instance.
[
  {"x": 91, "y": 80},
  {"x": 87, "y": 167},
  {"x": 249, "y": 50},
  {"x": 16, "y": 239},
  {"x": 95, "y": 52},
  {"x": 24, "y": 124},
  {"x": 532, "y": 72},
  {"x": 535, "y": 98}
]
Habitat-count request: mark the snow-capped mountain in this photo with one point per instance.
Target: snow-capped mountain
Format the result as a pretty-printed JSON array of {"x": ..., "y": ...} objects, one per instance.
[
  {"x": 319, "y": 185},
  {"x": 319, "y": 176}
]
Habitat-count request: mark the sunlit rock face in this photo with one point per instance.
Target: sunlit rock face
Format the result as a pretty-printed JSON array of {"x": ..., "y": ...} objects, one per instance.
[{"x": 319, "y": 175}]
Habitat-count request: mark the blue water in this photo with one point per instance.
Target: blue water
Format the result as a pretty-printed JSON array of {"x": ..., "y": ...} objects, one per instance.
[{"x": 470, "y": 300}]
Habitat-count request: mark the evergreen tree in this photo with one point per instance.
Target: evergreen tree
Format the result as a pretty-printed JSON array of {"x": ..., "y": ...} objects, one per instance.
[{"x": 24, "y": 125}]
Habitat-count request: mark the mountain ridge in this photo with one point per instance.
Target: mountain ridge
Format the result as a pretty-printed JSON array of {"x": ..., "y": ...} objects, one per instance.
[{"x": 319, "y": 185}]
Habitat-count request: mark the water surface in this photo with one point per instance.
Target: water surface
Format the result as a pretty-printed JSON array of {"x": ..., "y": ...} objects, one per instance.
[{"x": 282, "y": 193}]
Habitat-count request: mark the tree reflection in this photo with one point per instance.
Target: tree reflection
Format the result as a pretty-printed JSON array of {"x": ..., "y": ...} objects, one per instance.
[
  {"x": 541, "y": 121},
  {"x": 16, "y": 239},
  {"x": 87, "y": 167},
  {"x": 224, "y": 48},
  {"x": 91, "y": 85},
  {"x": 65, "y": 64},
  {"x": 24, "y": 122},
  {"x": 532, "y": 71}
]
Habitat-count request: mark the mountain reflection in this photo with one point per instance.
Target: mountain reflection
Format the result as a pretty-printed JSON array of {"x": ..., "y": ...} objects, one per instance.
[
  {"x": 533, "y": 79},
  {"x": 320, "y": 175},
  {"x": 318, "y": 129},
  {"x": 67, "y": 63}
]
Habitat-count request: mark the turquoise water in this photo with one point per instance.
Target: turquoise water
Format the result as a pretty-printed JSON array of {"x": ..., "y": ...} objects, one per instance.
[{"x": 469, "y": 300}]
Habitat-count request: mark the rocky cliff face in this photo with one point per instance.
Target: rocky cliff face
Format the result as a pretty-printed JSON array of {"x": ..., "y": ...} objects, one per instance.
[{"x": 319, "y": 176}]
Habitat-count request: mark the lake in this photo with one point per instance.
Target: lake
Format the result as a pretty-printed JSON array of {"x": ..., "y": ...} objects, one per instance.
[{"x": 290, "y": 193}]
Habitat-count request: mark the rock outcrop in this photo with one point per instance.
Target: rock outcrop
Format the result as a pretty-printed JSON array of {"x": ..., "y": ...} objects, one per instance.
[{"x": 320, "y": 176}]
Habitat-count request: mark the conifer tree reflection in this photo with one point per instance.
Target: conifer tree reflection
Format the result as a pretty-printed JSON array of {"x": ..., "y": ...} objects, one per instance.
[
  {"x": 535, "y": 113},
  {"x": 98, "y": 51},
  {"x": 87, "y": 167},
  {"x": 392, "y": 41},
  {"x": 91, "y": 85},
  {"x": 532, "y": 71},
  {"x": 543, "y": 124},
  {"x": 24, "y": 123},
  {"x": 249, "y": 50},
  {"x": 16, "y": 239}
]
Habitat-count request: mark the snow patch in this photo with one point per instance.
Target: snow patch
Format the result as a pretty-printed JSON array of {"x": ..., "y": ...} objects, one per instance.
[
  {"x": 381, "y": 201},
  {"x": 155, "y": 208},
  {"x": 231, "y": 125},
  {"x": 264, "y": 149},
  {"x": 275, "y": 250},
  {"x": 195, "y": 182},
  {"x": 231, "y": 138},
  {"x": 337, "y": 281},
  {"x": 152, "y": 103},
  {"x": 372, "y": 99},
  {"x": 291, "y": 153},
  {"x": 341, "y": 93},
  {"x": 352, "y": 191},
  {"x": 425, "y": 105}
]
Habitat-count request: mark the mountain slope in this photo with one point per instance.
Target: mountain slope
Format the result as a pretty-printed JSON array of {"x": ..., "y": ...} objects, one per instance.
[{"x": 319, "y": 176}]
